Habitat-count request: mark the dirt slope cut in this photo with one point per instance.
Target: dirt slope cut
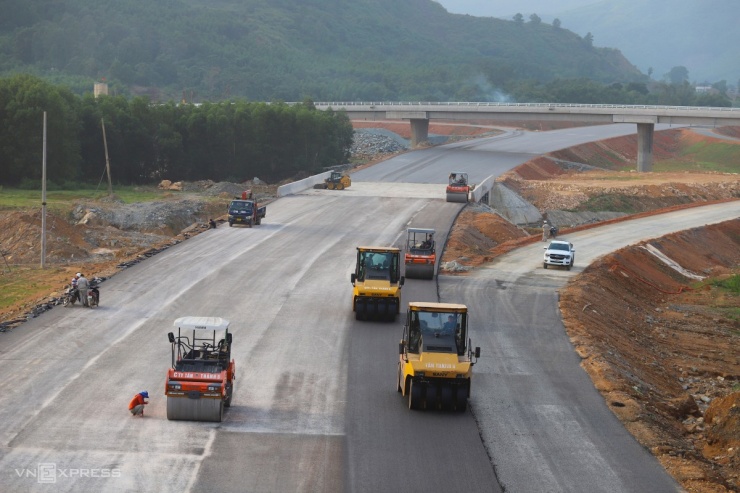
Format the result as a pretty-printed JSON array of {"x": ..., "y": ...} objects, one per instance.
[{"x": 664, "y": 349}]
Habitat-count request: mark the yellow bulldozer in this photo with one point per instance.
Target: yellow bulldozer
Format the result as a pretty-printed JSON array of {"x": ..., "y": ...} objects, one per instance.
[{"x": 436, "y": 359}]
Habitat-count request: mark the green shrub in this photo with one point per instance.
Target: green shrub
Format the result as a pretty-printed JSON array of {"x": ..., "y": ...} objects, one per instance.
[{"x": 732, "y": 284}]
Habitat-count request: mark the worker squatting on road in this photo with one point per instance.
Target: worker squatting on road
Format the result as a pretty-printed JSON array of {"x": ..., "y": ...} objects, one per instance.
[{"x": 136, "y": 406}]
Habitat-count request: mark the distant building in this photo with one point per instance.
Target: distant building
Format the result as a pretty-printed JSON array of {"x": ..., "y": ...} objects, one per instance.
[
  {"x": 100, "y": 88},
  {"x": 703, "y": 89}
]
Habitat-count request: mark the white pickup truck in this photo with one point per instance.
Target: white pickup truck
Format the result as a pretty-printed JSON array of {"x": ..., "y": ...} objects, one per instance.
[{"x": 560, "y": 253}]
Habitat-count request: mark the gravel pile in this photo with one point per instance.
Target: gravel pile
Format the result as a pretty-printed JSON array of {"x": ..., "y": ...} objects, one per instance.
[
  {"x": 232, "y": 189},
  {"x": 143, "y": 216},
  {"x": 376, "y": 141}
]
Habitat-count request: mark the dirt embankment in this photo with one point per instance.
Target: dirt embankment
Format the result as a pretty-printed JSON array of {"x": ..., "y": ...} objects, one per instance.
[{"x": 663, "y": 348}]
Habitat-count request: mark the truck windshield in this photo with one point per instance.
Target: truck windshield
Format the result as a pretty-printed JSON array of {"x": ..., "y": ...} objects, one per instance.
[
  {"x": 241, "y": 205},
  {"x": 559, "y": 246}
]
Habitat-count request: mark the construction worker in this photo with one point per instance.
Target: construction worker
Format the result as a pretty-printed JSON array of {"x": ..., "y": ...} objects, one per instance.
[
  {"x": 73, "y": 284},
  {"x": 545, "y": 231},
  {"x": 82, "y": 286},
  {"x": 136, "y": 406}
]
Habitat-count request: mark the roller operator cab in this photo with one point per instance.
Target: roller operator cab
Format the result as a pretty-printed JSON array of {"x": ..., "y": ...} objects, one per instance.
[
  {"x": 377, "y": 282},
  {"x": 420, "y": 257},
  {"x": 458, "y": 188},
  {"x": 200, "y": 383},
  {"x": 436, "y": 357}
]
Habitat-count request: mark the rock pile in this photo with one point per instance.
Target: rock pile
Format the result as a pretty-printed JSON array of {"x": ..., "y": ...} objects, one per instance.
[{"x": 368, "y": 144}]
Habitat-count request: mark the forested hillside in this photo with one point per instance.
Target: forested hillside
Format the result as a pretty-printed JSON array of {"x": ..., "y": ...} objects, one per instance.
[
  {"x": 266, "y": 50},
  {"x": 232, "y": 141}
]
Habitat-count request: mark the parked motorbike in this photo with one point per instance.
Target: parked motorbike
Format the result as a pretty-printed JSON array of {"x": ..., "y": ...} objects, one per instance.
[
  {"x": 93, "y": 295},
  {"x": 70, "y": 296}
]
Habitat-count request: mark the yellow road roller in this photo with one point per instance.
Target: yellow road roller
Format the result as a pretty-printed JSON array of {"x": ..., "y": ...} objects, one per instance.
[
  {"x": 436, "y": 358},
  {"x": 377, "y": 282}
]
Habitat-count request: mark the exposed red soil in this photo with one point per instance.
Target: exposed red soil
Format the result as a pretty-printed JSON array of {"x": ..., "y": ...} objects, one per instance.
[
  {"x": 664, "y": 351},
  {"x": 729, "y": 131}
]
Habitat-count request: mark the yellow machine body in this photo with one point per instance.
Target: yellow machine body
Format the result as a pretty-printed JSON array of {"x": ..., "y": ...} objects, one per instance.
[
  {"x": 435, "y": 365},
  {"x": 377, "y": 282}
]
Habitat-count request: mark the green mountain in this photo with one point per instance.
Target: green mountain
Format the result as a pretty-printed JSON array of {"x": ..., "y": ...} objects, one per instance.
[{"x": 291, "y": 49}]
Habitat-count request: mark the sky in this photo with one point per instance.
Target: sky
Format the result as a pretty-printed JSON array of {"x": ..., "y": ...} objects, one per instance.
[{"x": 654, "y": 35}]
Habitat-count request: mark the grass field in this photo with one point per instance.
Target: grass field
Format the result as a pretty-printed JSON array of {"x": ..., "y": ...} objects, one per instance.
[
  {"x": 62, "y": 200},
  {"x": 704, "y": 156}
]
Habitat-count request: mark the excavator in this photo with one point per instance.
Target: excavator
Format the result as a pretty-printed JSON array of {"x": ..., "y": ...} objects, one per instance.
[
  {"x": 458, "y": 189},
  {"x": 200, "y": 383},
  {"x": 435, "y": 365},
  {"x": 420, "y": 256},
  {"x": 377, "y": 283}
]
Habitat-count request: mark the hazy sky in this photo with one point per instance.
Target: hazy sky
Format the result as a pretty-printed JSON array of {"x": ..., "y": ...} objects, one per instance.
[
  {"x": 506, "y": 8},
  {"x": 701, "y": 35}
]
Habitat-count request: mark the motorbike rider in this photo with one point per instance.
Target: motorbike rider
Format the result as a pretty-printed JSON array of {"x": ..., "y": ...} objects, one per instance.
[{"x": 82, "y": 287}]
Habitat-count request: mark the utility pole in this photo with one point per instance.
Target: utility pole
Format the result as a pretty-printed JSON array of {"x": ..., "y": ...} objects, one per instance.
[
  {"x": 107, "y": 162},
  {"x": 43, "y": 200}
]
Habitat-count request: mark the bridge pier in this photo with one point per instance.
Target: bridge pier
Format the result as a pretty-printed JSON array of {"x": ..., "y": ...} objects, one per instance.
[
  {"x": 645, "y": 146},
  {"x": 419, "y": 131}
]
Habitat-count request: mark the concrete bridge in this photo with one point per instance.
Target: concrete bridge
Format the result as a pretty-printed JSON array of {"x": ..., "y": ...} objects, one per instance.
[{"x": 419, "y": 115}]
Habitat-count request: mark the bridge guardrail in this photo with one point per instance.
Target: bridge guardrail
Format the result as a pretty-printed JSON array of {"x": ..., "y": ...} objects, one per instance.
[
  {"x": 523, "y": 105},
  {"x": 482, "y": 188}
]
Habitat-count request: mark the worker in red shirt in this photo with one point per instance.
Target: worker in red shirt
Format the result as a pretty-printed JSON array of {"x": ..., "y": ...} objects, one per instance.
[{"x": 136, "y": 406}]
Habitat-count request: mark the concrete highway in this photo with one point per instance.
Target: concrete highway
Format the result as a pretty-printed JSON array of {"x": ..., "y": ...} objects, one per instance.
[{"x": 315, "y": 406}]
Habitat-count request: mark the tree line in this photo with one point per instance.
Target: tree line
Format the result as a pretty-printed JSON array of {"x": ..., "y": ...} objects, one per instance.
[{"x": 230, "y": 140}]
